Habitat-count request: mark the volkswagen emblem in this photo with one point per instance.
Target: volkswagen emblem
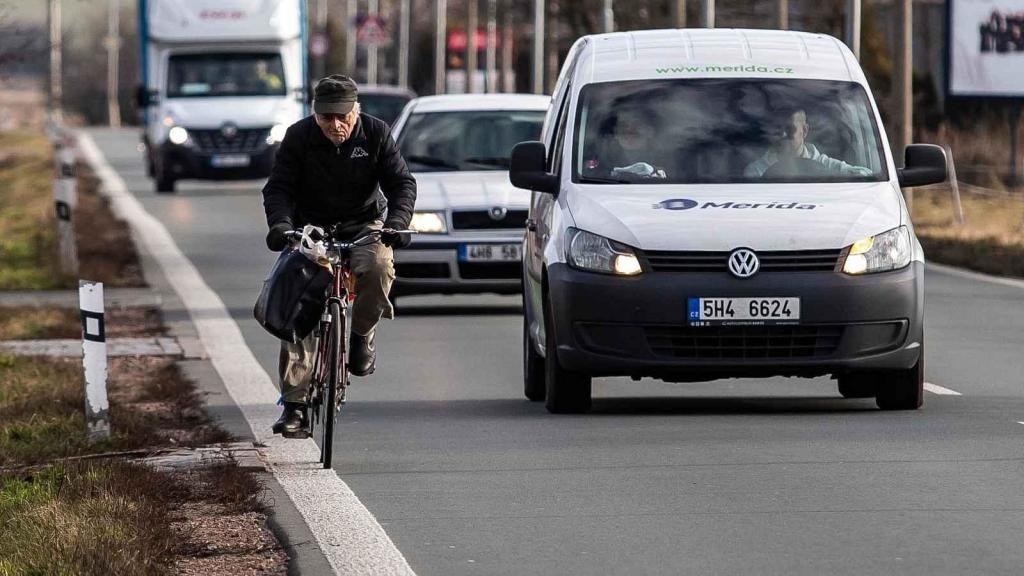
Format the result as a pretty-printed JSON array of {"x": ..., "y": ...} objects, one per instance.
[
  {"x": 743, "y": 263},
  {"x": 229, "y": 130},
  {"x": 497, "y": 213}
]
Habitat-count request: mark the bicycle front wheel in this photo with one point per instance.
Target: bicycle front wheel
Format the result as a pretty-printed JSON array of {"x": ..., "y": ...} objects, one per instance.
[{"x": 335, "y": 365}]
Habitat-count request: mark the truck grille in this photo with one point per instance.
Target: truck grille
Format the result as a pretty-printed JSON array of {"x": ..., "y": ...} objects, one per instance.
[
  {"x": 482, "y": 220},
  {"x": 740, "y": 342},
  {"x": 777, "y": 261},
  {"x": 245, "y": 141}
]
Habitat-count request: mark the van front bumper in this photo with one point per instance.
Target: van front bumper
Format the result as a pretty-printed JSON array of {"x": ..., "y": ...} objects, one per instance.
[
  {"x": 187, "y": 162},
  {"x": 637, "y": 326}
]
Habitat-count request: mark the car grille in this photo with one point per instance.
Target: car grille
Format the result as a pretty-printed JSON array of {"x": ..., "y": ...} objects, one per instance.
[
  {"x": 490, "y": 270},
  {"x": 245, "y": 141},
  {"x": 481, "y": 220},
  {"x": 740, "y": 342},
  {"x": 778, "y": 261}
]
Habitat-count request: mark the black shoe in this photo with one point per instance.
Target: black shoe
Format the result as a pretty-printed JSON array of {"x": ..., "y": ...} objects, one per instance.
[
  {"x": 362, "y": 355},
  {"x": 293, "y": 422}
]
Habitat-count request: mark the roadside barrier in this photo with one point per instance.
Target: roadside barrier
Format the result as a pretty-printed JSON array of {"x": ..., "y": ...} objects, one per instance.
[{"x": 94, "y": 358}]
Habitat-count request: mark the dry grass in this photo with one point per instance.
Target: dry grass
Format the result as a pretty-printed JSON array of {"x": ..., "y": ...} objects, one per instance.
[
  {"x": 46, "y": 323},
  {"x": 105, "y": 249}
]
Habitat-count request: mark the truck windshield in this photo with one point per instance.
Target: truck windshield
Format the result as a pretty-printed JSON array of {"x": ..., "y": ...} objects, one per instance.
[
  {"x": 467, "y": 140},
  {"x": 726, "y": 131},
  {"x": 220, "y": 74}
]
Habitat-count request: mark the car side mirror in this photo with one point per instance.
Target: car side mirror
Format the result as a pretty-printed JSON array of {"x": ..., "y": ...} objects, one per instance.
[
  {"x": 528, "y": 169},
  {"x": 923, "y": 164}
]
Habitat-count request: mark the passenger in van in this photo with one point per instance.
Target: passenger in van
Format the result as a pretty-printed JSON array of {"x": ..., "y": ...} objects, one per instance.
[
  {"x": 790, "y": 142},
  {"x": 625, "y": 147}
]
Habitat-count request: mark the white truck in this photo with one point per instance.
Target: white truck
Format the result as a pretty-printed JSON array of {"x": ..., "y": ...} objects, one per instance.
[{"x": 221, "y": 82}]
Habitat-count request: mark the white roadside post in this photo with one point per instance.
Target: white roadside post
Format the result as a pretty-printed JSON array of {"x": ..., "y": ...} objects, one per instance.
[
  {"x": 94, "y": 358},
  {"x": 65, "y": 199}
]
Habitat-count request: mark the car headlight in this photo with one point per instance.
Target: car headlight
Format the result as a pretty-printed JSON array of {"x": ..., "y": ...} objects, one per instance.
[
  {"x": 598, "y": 254},
  {"x": 428, "y": 223},
  {"x": 886, "y": 251},
  {"x": 177, "y": 135},
  {"x": 277, "y": 132}
]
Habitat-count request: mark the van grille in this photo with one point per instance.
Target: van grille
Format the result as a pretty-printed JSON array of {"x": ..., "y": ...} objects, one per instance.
[
  {"x": 777, "y": 261},
  {"x": 740, "y": 342},
  {"x": 245, "y": 141},
  {"x": 481, "y": 220}
]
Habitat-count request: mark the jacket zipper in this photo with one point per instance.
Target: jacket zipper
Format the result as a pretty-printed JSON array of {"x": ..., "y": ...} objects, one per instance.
[{"x": 337, "y": 150}]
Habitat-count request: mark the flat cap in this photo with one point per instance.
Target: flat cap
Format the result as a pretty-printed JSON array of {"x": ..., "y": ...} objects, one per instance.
[{"x": 335, "y": 94}]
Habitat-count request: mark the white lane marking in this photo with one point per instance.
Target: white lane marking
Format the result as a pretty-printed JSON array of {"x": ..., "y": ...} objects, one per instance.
[
  {"x": 348, "y": 534},
  {"x": 936, "y": 389},
  {"x": 1019, "y": 422},
  {"x": 972, "y": 275}
]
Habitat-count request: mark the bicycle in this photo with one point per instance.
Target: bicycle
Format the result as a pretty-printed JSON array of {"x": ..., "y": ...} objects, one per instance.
[{"x": 330, "y": 375}]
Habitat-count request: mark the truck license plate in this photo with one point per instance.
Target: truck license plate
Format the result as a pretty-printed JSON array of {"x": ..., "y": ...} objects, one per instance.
[
  {"x": 742, "y": 311},
  {"x": 230, "y": 161},
  {"x": 490, "y": 253}
]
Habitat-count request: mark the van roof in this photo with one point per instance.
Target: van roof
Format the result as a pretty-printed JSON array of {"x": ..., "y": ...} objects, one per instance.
[
  {"x": 465, "y": 102},
  {"x": 715, "y": 53}
]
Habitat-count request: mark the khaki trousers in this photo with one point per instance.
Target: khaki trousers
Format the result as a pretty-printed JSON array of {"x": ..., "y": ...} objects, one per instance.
[{"x": 374, "y": 269}]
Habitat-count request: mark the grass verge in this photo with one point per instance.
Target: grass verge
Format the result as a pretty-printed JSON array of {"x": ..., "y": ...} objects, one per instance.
[{"x": 31, "y": 323}]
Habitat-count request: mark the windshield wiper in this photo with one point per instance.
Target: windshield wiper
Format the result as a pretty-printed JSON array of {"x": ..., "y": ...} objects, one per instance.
[
  {"x": 599, "y": 180},
  {"x": 498, "y": 161},
  {"x": 431, "y": 161}
]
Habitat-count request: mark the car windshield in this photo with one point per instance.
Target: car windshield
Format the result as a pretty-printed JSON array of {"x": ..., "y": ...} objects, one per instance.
[
  {"x": 726, "y": 131},
  {"x": 206, "y": 75},
  {"x": 387, "y": 107},
  {"x": 466, "y": 141}
]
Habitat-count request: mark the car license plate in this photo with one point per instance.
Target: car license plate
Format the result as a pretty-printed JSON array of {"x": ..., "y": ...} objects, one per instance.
[
  {"x": 490, "y": 253},
  {"x": 742, "y": 311},
  {"x": 230, "y": 161}
]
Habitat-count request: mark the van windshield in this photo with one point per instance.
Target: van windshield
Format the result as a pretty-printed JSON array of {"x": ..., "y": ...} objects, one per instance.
[
  {"x": 726, "y": 131},
  {"x": 221, "y": 74},
  {"x": 467, "y": 140}
]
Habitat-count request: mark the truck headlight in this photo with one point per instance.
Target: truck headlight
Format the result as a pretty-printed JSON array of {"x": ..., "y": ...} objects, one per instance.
[
  {"x": 428, "y": 223},
  {"x": 277, "y": 132},
  {"x": 177, "y": 135},
  {"x": 595, "y": 253},
  {"x": 886, "y": 251}
]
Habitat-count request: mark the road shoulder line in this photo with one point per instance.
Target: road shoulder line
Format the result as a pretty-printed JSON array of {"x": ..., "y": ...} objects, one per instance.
[
  {"x": 940, "y": 390},
  {"x": 972, "y": 275},
  {"x": 349, "y": 536}
]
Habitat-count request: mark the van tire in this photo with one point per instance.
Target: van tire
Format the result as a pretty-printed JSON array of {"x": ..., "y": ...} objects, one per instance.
[
  {"x": 902, "y": 389},
  {"x": 566, "y": 392},
  {"x": 858, "y": 385},
  {"x": 164, "y": 184},
  {"x": 533, "y": 368}
]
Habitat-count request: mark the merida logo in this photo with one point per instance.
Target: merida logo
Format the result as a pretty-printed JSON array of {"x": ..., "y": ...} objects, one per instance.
[{"x": 687, "y": 204}]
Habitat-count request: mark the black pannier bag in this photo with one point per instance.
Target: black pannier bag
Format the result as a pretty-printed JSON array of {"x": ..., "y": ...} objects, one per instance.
[{"x": 293, "y": 296}]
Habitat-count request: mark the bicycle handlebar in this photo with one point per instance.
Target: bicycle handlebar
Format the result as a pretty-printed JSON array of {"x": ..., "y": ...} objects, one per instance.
[{"x": 368, "y": 238}]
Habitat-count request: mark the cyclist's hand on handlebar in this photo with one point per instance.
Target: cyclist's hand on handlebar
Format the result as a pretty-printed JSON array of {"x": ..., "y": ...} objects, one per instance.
[
  {"x": 277, "y": 238},
  {"x": 394, "y": 238}
]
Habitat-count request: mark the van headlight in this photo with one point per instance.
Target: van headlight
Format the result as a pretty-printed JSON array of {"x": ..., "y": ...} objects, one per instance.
[
  {"x": 277, "y": 132},
  {"x": 177, "y": 135},
  {"x": 886, "y": 251},
  {"x": 598, "y": 254},
  {"x": 428, "y": 223}
]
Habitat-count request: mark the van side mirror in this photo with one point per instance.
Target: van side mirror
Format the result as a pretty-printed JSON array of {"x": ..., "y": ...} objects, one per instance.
[
  {"x": 528, "y": 169},
  {"x": 923, "y": 164},
  {"x": 145, "y": 97}
]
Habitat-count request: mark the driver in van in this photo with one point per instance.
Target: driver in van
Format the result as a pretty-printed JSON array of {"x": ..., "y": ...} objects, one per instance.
[
  {"x": 625, "y": 148},
  {"x": 790, "y": 142}
]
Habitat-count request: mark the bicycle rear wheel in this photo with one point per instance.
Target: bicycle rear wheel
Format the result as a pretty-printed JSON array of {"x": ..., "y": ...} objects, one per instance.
[{"x": 335, "y": 364}]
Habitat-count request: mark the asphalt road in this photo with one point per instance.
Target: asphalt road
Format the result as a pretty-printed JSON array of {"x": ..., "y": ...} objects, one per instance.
[{"x": 778, "y": 476}]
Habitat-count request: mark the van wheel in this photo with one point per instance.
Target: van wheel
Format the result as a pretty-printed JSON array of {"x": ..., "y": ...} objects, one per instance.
[
  {"x": 533, "y": 367},
  {"x": 566, "y": 392},
  {"x": 902, "y": 389},
  {"x": 858, "y": 385}
]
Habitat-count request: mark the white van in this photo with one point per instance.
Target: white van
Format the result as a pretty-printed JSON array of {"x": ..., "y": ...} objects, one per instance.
[{"x": 719, "y": 203}]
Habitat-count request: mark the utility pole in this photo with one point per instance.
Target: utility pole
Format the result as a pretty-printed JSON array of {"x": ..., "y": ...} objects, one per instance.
[
  {"x": 492, "y": 49},
  {"x": 56, "y": 92},
  {"x": 507, "y": 39},
  {"x": 678, "y": 13},
  {"x": 472, "y": 23},
  {"x": 351, "y": 12},
  {"x": 320, "y": 25},
  {"x": 441, "y": 33},
  {"x": 609, "y": 16},
  {"x": 782, "y": 13},
  {"x": 371, "y": 48},
  {"x": 113, "y": 42},
  {"x": 853, "y": 19},
  {"x": 403, "y": 44},
  {"x": 709, "y": 13},
  {"x": 538, "y": 46},
  {"x": 904, "y": 87}
]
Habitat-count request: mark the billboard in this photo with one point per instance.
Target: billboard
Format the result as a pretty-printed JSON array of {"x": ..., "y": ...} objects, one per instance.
[{"x": 986, "y": 48}]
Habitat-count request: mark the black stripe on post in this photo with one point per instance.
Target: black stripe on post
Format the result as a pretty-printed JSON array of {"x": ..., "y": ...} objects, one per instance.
[
  {"x": 63, "y": 211},
  {"x": 99, "y": 334}
]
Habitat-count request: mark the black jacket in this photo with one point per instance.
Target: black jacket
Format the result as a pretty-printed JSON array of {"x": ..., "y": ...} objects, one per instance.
[{"x": 316, "y": 182}]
